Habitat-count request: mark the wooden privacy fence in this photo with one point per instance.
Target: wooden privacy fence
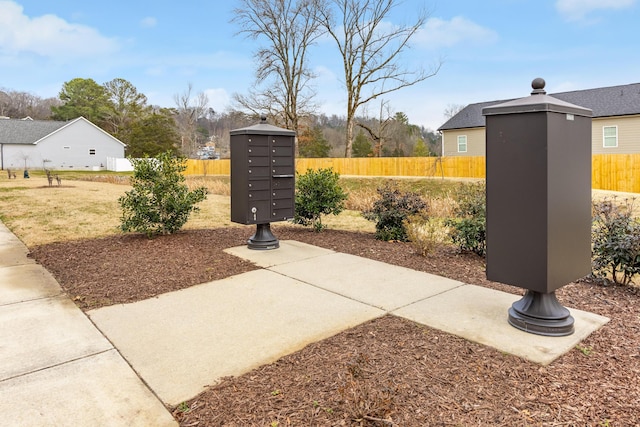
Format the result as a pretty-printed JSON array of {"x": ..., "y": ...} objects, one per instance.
[
  {"x": 614, "y": 172},
  {"x": 448, "y": 167}
]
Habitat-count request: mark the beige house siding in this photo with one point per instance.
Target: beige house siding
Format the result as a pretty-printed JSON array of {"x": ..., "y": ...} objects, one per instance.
[
  {"x": 628, "y": 135},
  {"x": 475, "y": 142}
]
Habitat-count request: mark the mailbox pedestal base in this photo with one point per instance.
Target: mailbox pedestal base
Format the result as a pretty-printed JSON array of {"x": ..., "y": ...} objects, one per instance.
[
  {"x": 541, "y": 314},
  {"x": 263, "y": 239}
]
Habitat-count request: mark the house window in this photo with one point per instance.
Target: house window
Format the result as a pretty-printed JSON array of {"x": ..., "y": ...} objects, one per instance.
[
  {"x": 92, "y": 151},
  {"x": 462, "y": 143},
  {"x": 610, "y": 136}
]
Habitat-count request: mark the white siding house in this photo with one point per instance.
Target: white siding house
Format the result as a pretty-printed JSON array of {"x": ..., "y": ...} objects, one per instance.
[{"x": 36, "y": 144}]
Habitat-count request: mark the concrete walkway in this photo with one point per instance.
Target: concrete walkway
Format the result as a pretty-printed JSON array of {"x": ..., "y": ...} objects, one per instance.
[{"x": 56, "y": 368}]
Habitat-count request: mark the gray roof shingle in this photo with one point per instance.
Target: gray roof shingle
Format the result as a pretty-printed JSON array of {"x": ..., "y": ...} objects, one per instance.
[
  {"x": 604, "y": 102},
  {"x": 14, "y": 131}
]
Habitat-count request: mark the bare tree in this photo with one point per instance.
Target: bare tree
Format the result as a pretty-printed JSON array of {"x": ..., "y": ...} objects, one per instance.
[
  {"x": 5, "y": 102},
  {"x": 452, "y": 110},
  {"x": 289, "y": 27},
  {"x": 378, "y": 133},
  {"x": 17, "y": 104},
  {"x": 189, "y": 110},
  {"x": 371, "y": 51}
]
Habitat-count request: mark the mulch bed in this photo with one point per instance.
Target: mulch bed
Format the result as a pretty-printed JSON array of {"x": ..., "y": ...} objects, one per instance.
[{"x": 389, "y": 371}]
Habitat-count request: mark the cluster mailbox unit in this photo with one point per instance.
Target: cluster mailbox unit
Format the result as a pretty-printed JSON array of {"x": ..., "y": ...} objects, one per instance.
[
  {"x": 262, "y": 179},
  {"x": 538, "y": 204}
]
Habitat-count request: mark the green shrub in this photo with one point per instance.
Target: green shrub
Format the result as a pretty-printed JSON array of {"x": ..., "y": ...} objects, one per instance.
[
  {"x": 615, "y": 241},
  {"x": 318, "y": 193},
  {"x": 159, "y": 203},
  {"x": 391, "y": 210},
  {"x": 468, "y": 229}
]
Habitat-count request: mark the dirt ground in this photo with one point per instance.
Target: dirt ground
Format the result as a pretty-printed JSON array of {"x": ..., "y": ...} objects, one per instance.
[{"x": 387, "y": 372}]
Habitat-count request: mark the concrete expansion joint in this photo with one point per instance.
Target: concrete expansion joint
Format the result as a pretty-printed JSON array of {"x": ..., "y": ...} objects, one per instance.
[
  {"x": 55, "y": 365},
  {"x": 133, "y": 368},
  {"x": 300, "y": 280},
  {"x": 27, "y": 301},
  {"x": 428, "y": 297}
]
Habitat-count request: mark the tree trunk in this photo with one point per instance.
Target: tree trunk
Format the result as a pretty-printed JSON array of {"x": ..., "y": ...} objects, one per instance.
[{"x": 349, "y": 142}]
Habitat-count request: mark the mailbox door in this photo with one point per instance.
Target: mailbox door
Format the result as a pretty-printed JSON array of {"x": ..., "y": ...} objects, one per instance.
[
  {"x": 258, "y": 172},
  {"x": 282, "y": 178}
]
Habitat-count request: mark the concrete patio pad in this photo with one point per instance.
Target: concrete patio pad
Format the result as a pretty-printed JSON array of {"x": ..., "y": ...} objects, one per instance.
[
  {"x": 480, "y": 315},
  {"x": 99, "y": 390},
  {"x": 184, "y": 341},
  {"x": 289, "y": 251},
  {"x": 372, "y": 282},
  {"x": 42, "y": 333},
  {"x": 471, "y": 312}
]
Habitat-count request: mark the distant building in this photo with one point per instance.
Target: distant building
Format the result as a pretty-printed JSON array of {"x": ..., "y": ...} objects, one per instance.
[
  {"x": 36, "y": 144},
  {"x": 615, "y": 123}
]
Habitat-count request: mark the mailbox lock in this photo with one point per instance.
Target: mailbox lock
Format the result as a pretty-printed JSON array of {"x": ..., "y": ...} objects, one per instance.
[{"x": 253, "y": 211}]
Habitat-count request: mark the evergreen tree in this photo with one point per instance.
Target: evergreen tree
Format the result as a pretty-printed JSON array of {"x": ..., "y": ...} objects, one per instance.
[
  {"x": 361, "y": 146},
  {"x": 152, "y": 135},
  {"x": 312, "y": 143},
  {"x": 82, "y": 97},
  {"x": 420, "y": 149}
]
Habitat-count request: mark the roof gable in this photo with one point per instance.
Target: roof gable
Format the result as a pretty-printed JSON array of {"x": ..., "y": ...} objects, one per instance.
[
  {"x": 604, "y": 102},
  {"x": 15, "y": 131},
  {"x": 81, "y": 119},
  {"x": 27, "y": 132}
]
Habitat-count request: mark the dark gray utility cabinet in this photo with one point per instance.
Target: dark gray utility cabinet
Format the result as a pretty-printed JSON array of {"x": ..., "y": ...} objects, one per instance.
[
  {"x": 538, "y": 194},
  {"x": 262, "y": 176}
]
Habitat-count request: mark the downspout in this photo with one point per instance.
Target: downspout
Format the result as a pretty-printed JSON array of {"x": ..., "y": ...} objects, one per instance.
[
  {"x": 1, "y": 156},
  {"x": 442, "y": 139}
]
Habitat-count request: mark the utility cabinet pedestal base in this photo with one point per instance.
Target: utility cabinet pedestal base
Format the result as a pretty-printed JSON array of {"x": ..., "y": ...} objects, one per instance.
[
  {"x": 541, "y": 314},
  {"x": 263, "y": 239}
]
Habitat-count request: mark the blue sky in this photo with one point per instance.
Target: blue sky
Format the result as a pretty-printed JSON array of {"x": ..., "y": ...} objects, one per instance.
[{"x": 490, "y": 50}]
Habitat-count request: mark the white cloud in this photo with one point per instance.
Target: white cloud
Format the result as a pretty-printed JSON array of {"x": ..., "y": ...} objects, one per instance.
[
  {"x": 48, "y": 35},
  {"x": 219, "y": 99},
  {"x": 576, "y": 10},
  {"x": 438, "y": 33},
  {"x": 324, "y": 74},
  {"x": 148, "y": 22}
]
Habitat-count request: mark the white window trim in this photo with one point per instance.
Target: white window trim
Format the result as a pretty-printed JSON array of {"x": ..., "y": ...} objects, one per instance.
[
  {"x": 604, "y": 138},
  {"x": 466, "y": 143}
]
